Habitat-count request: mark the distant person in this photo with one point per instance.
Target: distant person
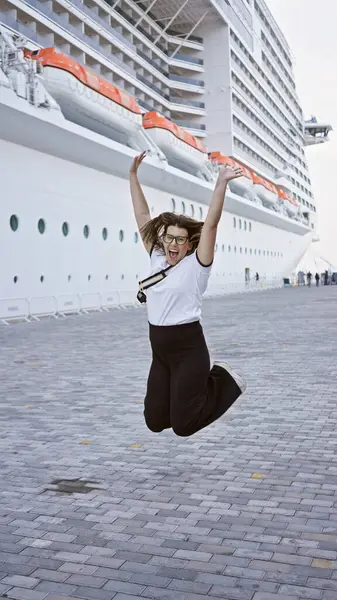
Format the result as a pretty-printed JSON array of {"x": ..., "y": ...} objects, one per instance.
[
  {"x": 309, "y": 277},
  {"x": 257, "y": 277},
  {"x": 182, "y": 392},
  {"x": 326, "y": 277},
  {"x": 317, "y": 277}
]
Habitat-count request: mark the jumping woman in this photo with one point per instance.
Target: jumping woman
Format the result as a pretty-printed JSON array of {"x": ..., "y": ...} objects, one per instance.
[{"x": 183, "y": 392}]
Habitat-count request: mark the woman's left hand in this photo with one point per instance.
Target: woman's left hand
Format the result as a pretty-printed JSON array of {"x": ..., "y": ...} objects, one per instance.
[{"x": 227, "y": 173}]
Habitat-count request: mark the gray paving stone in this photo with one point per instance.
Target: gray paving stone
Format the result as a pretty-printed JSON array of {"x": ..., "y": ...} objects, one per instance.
[{"x": 247, "y": 506}]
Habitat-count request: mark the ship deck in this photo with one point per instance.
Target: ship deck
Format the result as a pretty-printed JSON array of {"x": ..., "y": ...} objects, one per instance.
[{"x": 244, "y": 510}]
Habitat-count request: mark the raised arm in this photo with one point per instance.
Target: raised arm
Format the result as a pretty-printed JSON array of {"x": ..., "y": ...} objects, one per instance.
[
  {"x": 206, "y": 245},
  {"x": 140, "y": 206}
]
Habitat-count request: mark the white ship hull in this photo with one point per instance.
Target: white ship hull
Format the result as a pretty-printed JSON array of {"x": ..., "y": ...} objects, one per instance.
[{"x": 62, "y": 173}]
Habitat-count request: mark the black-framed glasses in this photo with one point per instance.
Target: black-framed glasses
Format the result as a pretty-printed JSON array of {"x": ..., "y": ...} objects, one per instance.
[{"x": 180, "y": 239}]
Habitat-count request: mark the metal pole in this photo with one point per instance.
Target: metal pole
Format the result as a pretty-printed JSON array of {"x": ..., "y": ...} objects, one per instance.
[
  {"x": 170, "y": 21},
  {"x": 189, "y": 34}
]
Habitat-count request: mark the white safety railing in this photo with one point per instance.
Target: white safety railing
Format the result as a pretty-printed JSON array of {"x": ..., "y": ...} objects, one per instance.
[
  {"x": 37, "y": 307},
  {"x": 14, "y": 309}
]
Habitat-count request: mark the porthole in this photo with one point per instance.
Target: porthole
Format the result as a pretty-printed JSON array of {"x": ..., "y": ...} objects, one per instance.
[
  {"x": 14, "y": 222},
  {"x": 15, "y": 279},
  {"x": 86, "y": 231},
  {"x": 122, "y": 276},
  {"x": 192, "y": 210},
  {"x": 255, "y": 251},
  {"x": 41, "y": 225},
  {"x": 250, "y": 226},
  {"x": 240, "y": 224},
  {"x": 240, "y": 250},
  {"x": 69, "y": 277},
  {"x": 136, "y": 237},
  {"x": 42, "y": 278},
  {"x": 89, "y": 277},
  {"x": 104, "y": 233},
  {"x": 229, "y": 248},
  {"x": 245, "y": 225},
  {"x": 200, "y": 213},
  {"x": 65, "y": 229},
  {"x": 223, "y": 247},
  {"x": 121, "y": 235},
  {"x": 106, "y": 277},
  {"x": 234, "y": 248},
  {"x": 246, "y": 250},
  {"x": 173, "y": 205},
  {"x": 250, "y": 251},
  {"x": 234, "y": 222},
  {"x": 183, "y": 207}
]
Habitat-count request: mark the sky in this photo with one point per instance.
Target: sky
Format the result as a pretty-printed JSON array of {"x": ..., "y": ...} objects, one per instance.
[{"x": 310, "y": 28}]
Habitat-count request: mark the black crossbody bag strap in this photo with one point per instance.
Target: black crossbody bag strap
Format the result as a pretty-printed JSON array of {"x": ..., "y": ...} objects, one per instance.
[{"x": 145, "y": 284}]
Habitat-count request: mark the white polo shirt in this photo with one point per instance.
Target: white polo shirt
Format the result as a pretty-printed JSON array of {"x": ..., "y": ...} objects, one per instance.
[{"x": 177, "y": 299}]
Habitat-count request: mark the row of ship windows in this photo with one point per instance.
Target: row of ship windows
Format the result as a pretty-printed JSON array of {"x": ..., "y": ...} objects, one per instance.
[
  {"x": 65, "y": 228},
  {"x": 256, "y": 252},
  {"x": 240, "y": 224},
  {"x": 41, "y": 225},
  {"x": 69, "y": 278}
]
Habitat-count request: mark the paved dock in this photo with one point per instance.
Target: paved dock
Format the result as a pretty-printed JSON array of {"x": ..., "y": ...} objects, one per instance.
[{"x": 94, "y": 506}]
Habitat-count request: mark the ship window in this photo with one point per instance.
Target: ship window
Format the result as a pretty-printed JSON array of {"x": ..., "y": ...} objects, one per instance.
[
  {"x": 240, "y": 224},
  {"x": 240, "y": 250},
  {"x": 251, "y": 251},
  {"x": 86, "y": 231},
  {"x": 234, "y": 248},
  {"x": 183, "y": 207},
  {"x": 42, "y": 278},
  {"x": 89, "y": 277},
  {"x": 223, "y": 247},
  {"x": 250, "y": 226},
  {"x": 234, "y": 221},
  {"x": 200, "y": 213},
  {"x": 121, "y": 235},
  {"x": 216, "y": 248},
  {"x": 107, "y": 277},
  {"x": 192, "y": 210},
  {"x": 65, "y": 229},
  {"x": 69, "y": 277},
  {"x": 104, "y": 233},
  {"x": 41, "y": 225},
  {"x": 173, "y": 205},
  {"x": 246, "y": 250},
  {"x": 14, "y": 222},
  {"x": 245, "y": 225},
  {"x": 122, "y": 276},
  {"x": 136, "y": 237},
  {"x": 229, "y": 248},
  {"x": 15, "y": 279}
]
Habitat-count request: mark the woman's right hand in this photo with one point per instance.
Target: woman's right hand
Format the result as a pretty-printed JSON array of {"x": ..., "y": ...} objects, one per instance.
[{"x": 137, "y": 162}]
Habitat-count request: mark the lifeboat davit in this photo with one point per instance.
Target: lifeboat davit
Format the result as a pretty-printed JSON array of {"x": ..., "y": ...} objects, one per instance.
[
  {"x": 180, "y": 147},
  {"x": 243, "y": 186},
  {"x": 265, "y": 190},
  {"x": 86, "y": 98},
  {"x": 291, "y": 205}
]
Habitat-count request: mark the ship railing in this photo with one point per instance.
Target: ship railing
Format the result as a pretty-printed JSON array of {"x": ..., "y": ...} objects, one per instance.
[{"x": 36, "y": 308}]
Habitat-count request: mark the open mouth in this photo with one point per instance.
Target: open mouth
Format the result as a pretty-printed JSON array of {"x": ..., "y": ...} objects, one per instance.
[{"x": 173, "y": 253}]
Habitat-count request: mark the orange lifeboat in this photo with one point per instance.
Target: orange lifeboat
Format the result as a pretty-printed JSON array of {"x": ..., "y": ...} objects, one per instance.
[
  {"x": 291, "y": 205},
  {"x": 86, "y": 98},
  {"x": 243, "y": 186},
  {"x": 178, "y": 145},
  {"x": 265, "y": 190}
]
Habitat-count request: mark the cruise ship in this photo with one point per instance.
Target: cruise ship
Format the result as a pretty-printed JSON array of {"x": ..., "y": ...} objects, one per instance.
[{"x": 87, "y": 84}]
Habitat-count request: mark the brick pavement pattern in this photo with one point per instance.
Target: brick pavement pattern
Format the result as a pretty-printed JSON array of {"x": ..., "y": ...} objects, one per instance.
[{"x": 244, "y": 510}]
